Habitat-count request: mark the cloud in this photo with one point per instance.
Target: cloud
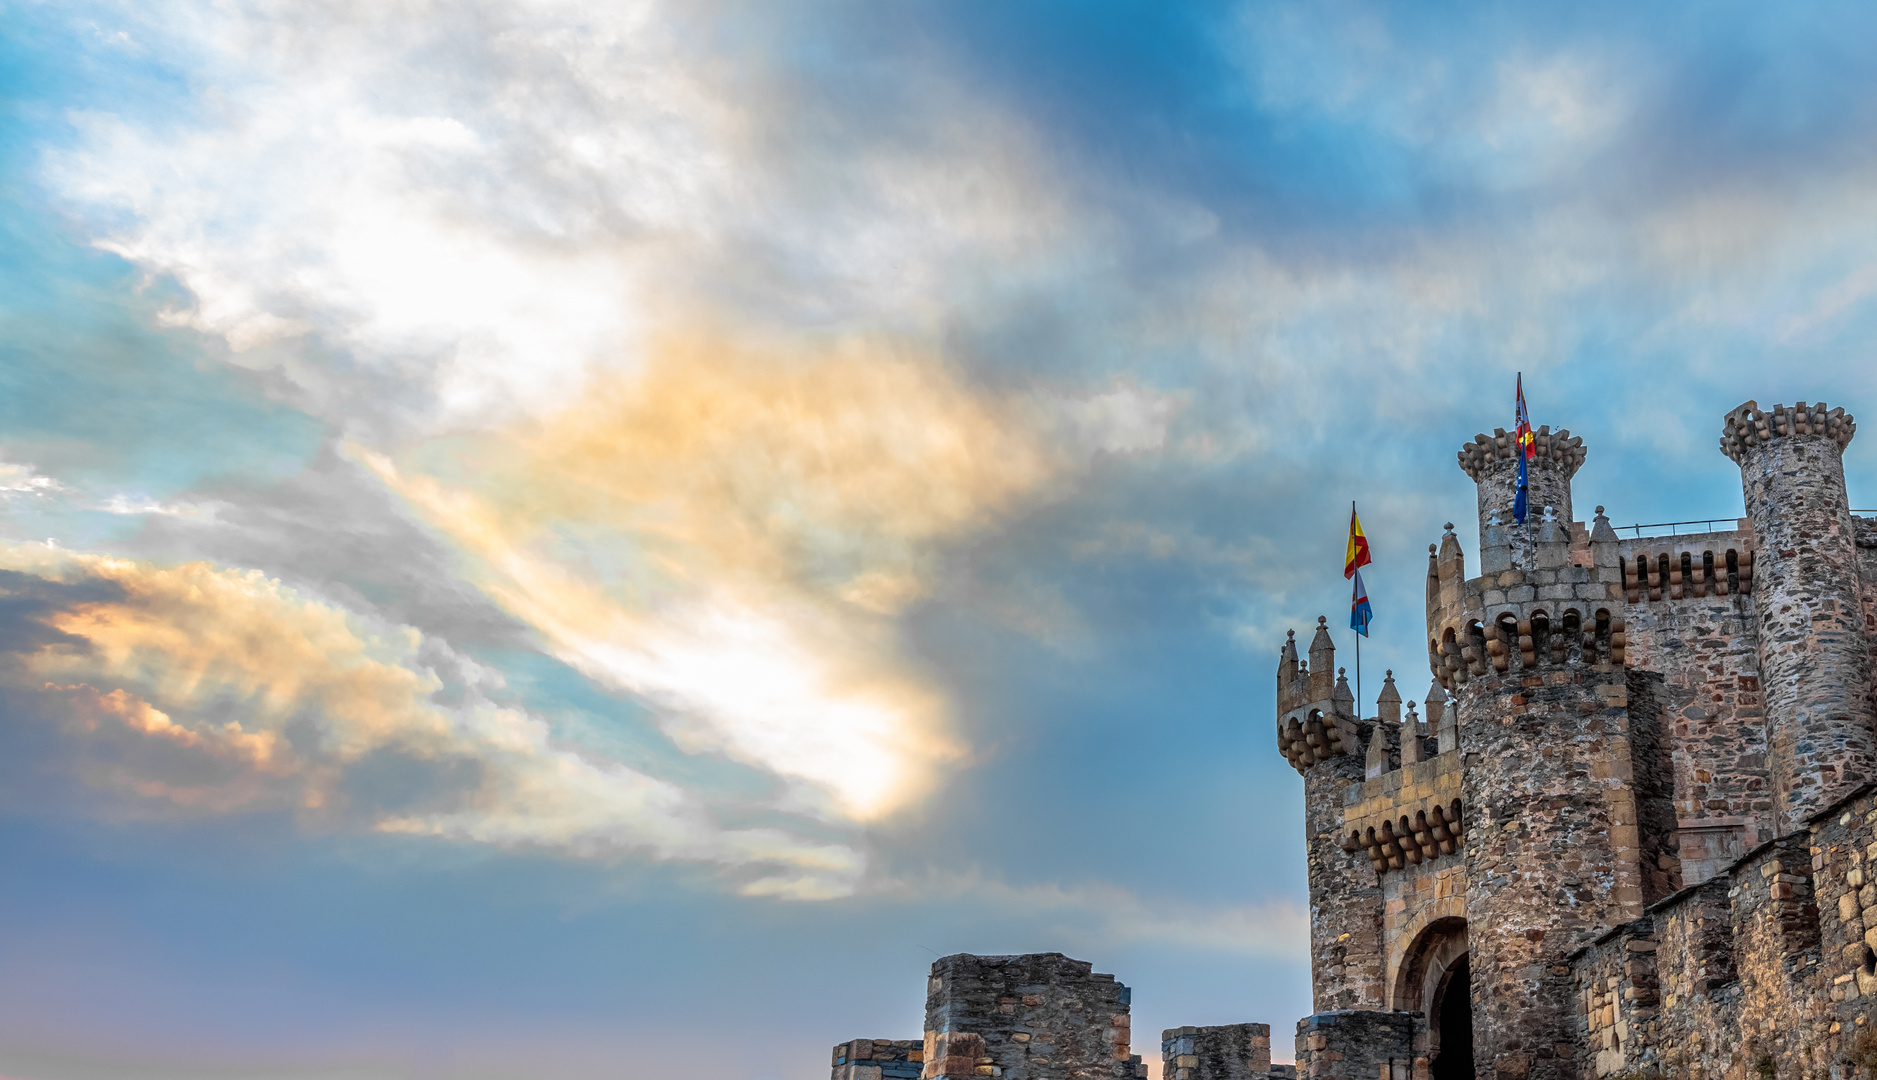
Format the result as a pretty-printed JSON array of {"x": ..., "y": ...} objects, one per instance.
[
  {"x": 731, "y": 532},
  {"x": 475, "y": 204},
  {"x": 206, "y": 690},
  {"x": 16, "y": 480}
]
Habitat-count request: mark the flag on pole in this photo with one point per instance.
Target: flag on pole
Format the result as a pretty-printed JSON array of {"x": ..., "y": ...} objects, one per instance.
[
  {"x": 1358, "y": 553},
  {"x": 1527, "y": 448},
  {"x": 1359, "y": 611}
]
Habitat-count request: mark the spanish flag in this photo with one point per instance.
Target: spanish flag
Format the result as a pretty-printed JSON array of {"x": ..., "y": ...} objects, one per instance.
[{"x": 1358, "y": 554}]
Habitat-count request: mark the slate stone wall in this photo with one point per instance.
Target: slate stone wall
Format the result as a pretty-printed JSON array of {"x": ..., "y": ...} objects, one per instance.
[{"x": 1040, "y": 1016}]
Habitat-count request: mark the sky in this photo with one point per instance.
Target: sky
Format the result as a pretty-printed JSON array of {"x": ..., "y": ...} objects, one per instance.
[{"x": 597, "y": 540}]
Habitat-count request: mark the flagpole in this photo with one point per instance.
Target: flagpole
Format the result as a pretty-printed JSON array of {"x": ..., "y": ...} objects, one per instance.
[{"x": 1352, "y": 515}]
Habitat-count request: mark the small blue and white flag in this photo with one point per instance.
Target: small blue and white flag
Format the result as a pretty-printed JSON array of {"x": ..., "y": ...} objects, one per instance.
[{"x": 1359, "y": 611}]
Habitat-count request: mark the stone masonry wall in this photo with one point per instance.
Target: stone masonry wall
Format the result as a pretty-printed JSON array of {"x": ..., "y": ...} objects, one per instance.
[
  {"x": 1843, "y": 847},
  {"x": 1040, "y": 1016},
  {"x": 1228, "y": 1052},
  {"x": 1652, "y": 782},
  {"x": 1618, "y": 990},
  {"x": 1430, "y": 886},
  {"x": 1362, "y": 1046},
  {"x": 1700, "y": 633},
  {"x": 879, "y": 1059},
  {"x": 1345, "y": 896},
  {"x": 1697, "y": 1028},
  {"x": 1552, "y": 851},
  {"x": 1814, "y": 657}
]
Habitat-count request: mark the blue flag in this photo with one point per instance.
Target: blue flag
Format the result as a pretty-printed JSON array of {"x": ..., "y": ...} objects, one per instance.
[
  {"x": 1359, "y": 611},
  {"x": 1523, "y": 444},
  {"x": 1518, "y": 501}
]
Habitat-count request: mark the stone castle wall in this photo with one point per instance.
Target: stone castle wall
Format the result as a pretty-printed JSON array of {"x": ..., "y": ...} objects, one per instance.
[
  {"x": 1634, "y": 838},
  {"x": 1031, "y": 1017}
]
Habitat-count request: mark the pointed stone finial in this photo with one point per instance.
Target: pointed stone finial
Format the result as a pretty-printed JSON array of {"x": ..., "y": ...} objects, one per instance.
[
  {"x": 1322, "y": 662},
  {"x": 1600, "y": 530},
  {"x": 1379, "y": 761},
  {"x": 1410, "y": 738},
  {"x": 1344, "y": 701},
  {"x": 1388, "y": 702}
]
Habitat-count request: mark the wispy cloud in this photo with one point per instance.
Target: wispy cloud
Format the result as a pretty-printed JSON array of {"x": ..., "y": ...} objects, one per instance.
[{"x": 204, "y": 690}]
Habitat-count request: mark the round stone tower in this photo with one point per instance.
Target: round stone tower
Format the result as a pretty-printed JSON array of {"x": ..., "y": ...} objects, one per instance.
[
  {"x": 1542, "y": 703},
  {"x": 1492, "y": 461},
  {"x": 1814, "y": 659}
]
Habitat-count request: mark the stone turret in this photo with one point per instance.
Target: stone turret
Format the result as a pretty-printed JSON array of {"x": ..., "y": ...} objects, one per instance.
[
  {"x": 1493, "y": 463},
  {"x": 1533, "y": 653},
  {"x": 1814, "y": 659},
  {"x": 1318, "y": 732}
]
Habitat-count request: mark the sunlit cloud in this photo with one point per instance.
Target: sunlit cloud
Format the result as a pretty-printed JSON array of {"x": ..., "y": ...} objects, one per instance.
[
  {"x": 731, "y": 532},
  {"x": 220, "y": 691}
]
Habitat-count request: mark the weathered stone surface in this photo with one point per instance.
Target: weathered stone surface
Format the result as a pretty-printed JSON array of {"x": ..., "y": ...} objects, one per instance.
[
  {"x": 1361, "y": 1045},
  {"x": 1229, "y": 1052},
  {"x": 879, "y": 1059},
  {"x": 1040, "y": 1016}
]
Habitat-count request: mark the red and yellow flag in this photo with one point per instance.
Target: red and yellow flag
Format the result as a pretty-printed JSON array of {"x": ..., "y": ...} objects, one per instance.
[{"x": 1358, "y": 554}]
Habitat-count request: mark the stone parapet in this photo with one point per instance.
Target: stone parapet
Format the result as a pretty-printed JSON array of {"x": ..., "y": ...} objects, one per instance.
[
  {"x": 1039, "y": 1016},
  {"x": 1227, "y": 1052},
  {"x": 879, "y": 1059},
  {"x": 1362, "y": 1045}
]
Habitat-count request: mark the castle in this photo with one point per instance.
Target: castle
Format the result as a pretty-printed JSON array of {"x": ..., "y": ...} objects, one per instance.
[{"x": 1627, "y": 837}]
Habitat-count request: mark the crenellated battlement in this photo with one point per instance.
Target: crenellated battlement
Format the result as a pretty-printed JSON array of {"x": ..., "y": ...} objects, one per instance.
[
  {"x": 1748, "y": 426},
  {"x": 1552, "y": 611},
  {"x": 1558, "y": 450}
]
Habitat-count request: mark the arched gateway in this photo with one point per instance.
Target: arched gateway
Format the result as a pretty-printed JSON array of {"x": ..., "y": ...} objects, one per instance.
[{"x": 1434, "y": 978}]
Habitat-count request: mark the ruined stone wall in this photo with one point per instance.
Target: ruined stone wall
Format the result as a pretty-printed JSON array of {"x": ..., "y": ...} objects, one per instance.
[
  {"x": 1552, "y": 851},
  {"x": 879, "y": 1059},
  {"x": 1690, "y": 619},
  {"x": 1362, "y": 1046},
  {"x": 1776, "y": 952},
  {"x": 1040, "y": 1016},
  {"x": 1228, "y": 1052},
  {"x": 1814, "y": 654}
]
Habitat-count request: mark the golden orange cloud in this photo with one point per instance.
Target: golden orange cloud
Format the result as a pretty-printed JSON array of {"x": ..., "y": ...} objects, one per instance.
[
  {"x": 221, "y": 690},
  {"x": 729, "y": 531}
]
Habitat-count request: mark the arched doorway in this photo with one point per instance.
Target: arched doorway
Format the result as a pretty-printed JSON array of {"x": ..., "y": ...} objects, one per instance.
[
  {"x": 1435, "y": 979},
  {"x": 1450, "y": 1023}
]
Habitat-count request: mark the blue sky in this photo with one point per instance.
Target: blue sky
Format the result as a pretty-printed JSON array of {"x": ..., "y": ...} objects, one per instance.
[{"x": 551, "y": 539}]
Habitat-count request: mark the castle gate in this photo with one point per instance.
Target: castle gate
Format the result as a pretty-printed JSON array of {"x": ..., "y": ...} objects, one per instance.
[{"x": 1435, "y": 979}]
